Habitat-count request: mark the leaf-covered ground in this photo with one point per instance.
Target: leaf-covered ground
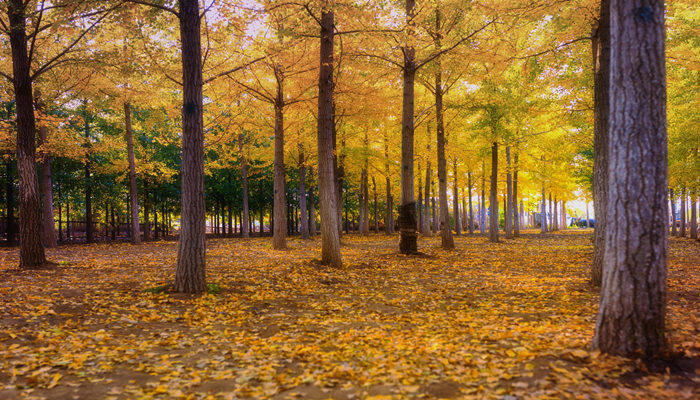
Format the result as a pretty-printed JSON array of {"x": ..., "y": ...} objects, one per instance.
[{"x": 506, "y": 321}]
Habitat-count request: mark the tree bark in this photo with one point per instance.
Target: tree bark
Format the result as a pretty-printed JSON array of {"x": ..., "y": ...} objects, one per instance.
[
  {"x": 408, "y": 243},
  {"x": 10, "y": 221},
  {"x": 279, "y": 236},
  {"x": 482, "y": 209},
  {"x": 693, "y": 215},
  {"x": 190, "y": 275},
  {"x": 681, "y": 232},
  {"x": 48, "y": 224},
  {"x": 544, "y": 211},
  {"x": 493, "y": 198},
  {"x": 302, "y": 198},
  {"x": 245, "y": 218},
  {"x": 631, "y": 317},
  {"x": 455, "y": 201},
  {"x": 133, "y": 191},
  {"x": 376, "y": 206},
  {"x": 508, "y": 212},
  {"x": 471, "y": 210},
  {"x": 673, "y": 213},
  {"x": 89, "y": 232},
  {"x": 330, "y": 239},
  {"x": 516, "y": 213},
  {"x": 425, "y": 229},
  {"x": 601, "y": 101},
  {"x": 31, "y": 248}
]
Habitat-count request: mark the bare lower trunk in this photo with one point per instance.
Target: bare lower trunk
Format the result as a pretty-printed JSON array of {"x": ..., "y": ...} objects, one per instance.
[
  {"x": 245, "y": 217},
  {"x": 471, "y": 210},
  {"x": 493, "y": 198},
  {"x": 482, "y": 209},
  {"x": 48, "y": 225},
  {"x": 425, "y": 229},
  {"x": 133, "y": 191},
  {"x": 455, "y": 201},
  {"x": 190, "y": 275},
  {"x": 544, "y": 211},
  {"x": 516, "y": 213},
  {"x": 673, "y": 213},
  {"x": 631, "y": 317},
  {"x": 364, "y": 221},
  {"x": 330, "y": 238},
  {"x": 693, "y": 215},
  {"x": 682, "y": 213},
  {"x": 389, "y": 216},
  {"x": 508, "y": 212},
  {"x": 279, "y": 235},
  {"x": 304, "y": 221},
  {"x": 31, "y": 248},
  {"x": 10, "y": 221},
  {"x": 601, "y": 100}
]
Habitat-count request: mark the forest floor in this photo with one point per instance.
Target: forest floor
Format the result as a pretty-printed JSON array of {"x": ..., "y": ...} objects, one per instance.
[{"x": 495, "y": 321}]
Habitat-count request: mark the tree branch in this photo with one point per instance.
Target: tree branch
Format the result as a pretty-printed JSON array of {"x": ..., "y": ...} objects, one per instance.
[{"x": 448, "y": 49}]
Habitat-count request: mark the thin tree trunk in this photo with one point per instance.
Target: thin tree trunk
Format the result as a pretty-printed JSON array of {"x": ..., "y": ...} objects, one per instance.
[
  {"x": 190, "y": 275},
  {"x": 682, "y": 216},
  {"x": 674, "y": 232},
  {"x": 10, "y": 221},
  {"x": 279, "y": 236},
  {"x": 376, "y": 206},
  {"x": 330, "y": 239},
  {"x": 601, "y": 101},
  {"x": 544, "y": 211},
  {"x": 508, "y": 212},
  {"x": 245, "y": 218},
  {"x": 482, "y": 209},
  {"x": 493, "y": 199},
  {"x": 471, "y": 210},
  {"x": 693, "y": 215},
  {"x": 455, "y": 200},
  {"x": 302, "y": 198},
  {"x": 516, "y": 213},
  {"x": 425, "y": 229},
  {"x": 632, "y": 312},
  {"x": 146, "y": 216},
  {"x": 31, "y": 248},
  {"x": 408, "y": 243},
  {"x": 588, "y": 220},
  {"x": 133, "y": 191}
]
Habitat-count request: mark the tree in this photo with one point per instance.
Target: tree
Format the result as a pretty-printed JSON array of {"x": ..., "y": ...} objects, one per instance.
[{"x": 631, "y": 317}]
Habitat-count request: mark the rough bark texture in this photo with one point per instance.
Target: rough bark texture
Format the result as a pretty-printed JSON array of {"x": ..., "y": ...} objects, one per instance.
[
  {"x": 482, "y": 208},
  {"x": 681, "y": 232},
  {"x": 190, "y": 271},
  {"x": 48, "y": 225},
  {"x": 493, "y": 198},
  {"x": 31, "y": 248},
  {"x": 445, "y": 229},
  {"x": 10, "y": 221},
  {"x": 89, "y": 230},
  {"x": 376, "y": 206},
  {"x": 631, "y": 317},
  {"x": 330, "y": 238},
  {"x": 279, "y": 235},
  {"x": 133, "y": 191},
  {"x": 389, "y": 214},
  {"x": 508, "y": 212},
  {"x": 673, "y": 213},
  {"x": 408, "y": 243},
  {"x": 601, "y": 101},
  {"x": 543, "y": 222},
  {"x": 694, "y": 215},
  {"x": 425, "y": 228},
  {"x": 245, "y": 217}
]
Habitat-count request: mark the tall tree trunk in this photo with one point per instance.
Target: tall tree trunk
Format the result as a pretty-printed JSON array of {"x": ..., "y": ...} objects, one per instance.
[
  {"x": 365, "y": 202},
  {"x": 376, "y": 206},
  {"x": 551, "y": 214},
  {"x": 190, "y": 274},
  {"x": 482, "y": 210},
  {"x": 445, "y": 227},
  {"x": 408, "y": 243},
  {"x": 455, "y": 199},
  {"x": 60, "y": 216},
  {"x": 516, "y": 214},
  {"x": 420, "y": 199},
  {"x": 563, "y": 215},
  {"x": 31, "y": 248},
  {"x": 588, "y": 220},
  {"x": 48, "y": 224},
  {"x": 673, "y": 213},
  {"x": 508, "y": 212},
  {"x": 89, "y": 232},
  {"x": 133, "y": 191},
  {"x": 493, "y": 198},
  {"x": 330, "y": 239},
  {"x": 425, "y": 229},
  {"x": 601, "y": 101},
  {"x": 682, "y": 213},
  {"x": 389, "y": 215},
  {"x": 279, "y": 236},
  {"x": 471, "y": 210},
  {"x": 631, "y": 317},
  {"x": 693, "y": 215},
  {"x": 544, "y": 211},
  {"x": 302, "y": 198},
  {"x": 146, "y": 216},
  {"x": 245, "y": 218}
]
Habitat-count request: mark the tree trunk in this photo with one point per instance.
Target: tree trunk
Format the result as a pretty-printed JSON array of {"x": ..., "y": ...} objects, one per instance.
[
  {"x": 543, "y": 221},
  {"x": 133, "y": 191},
  {"x": 376, "y": 207},
  {"x": 190, "y": 275},
  {"x": 601, "y": 101},
  {"x": 330, "y": 239},
  {"x": 302, "y": 198},
  {"x": 631, "y": 317},
  {"x": 31, "y": 248},
  {"x": 245, "y": 218},
  {"x": 673, "y": 213},
  {"x": 493, "y": 198},
  {"x": 146, "y": 217},
  {"x": 389, "y": 217},
  {"x": 693, "y": 215},
  {"x": 482, "y": 208},
  {"x": 471, "y": 210},
  {"x": 563, "y": 215},
  {"x": 425, "y": 229},
  {"x": 682, "y": 213},
  {"x": 408, "y": 243},
  {"x": 508, "y": 212},
  {"x": 516, "y": 213},
  {"x": 455, "y": 200},
  {"x": 48, "y": 224},
  {"x": 588, "y": 221},
  {"x": 420, "y": 200}
]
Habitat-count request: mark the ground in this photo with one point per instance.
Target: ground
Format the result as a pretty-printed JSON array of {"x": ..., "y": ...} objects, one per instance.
[{"x": 495, "y": 321}]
